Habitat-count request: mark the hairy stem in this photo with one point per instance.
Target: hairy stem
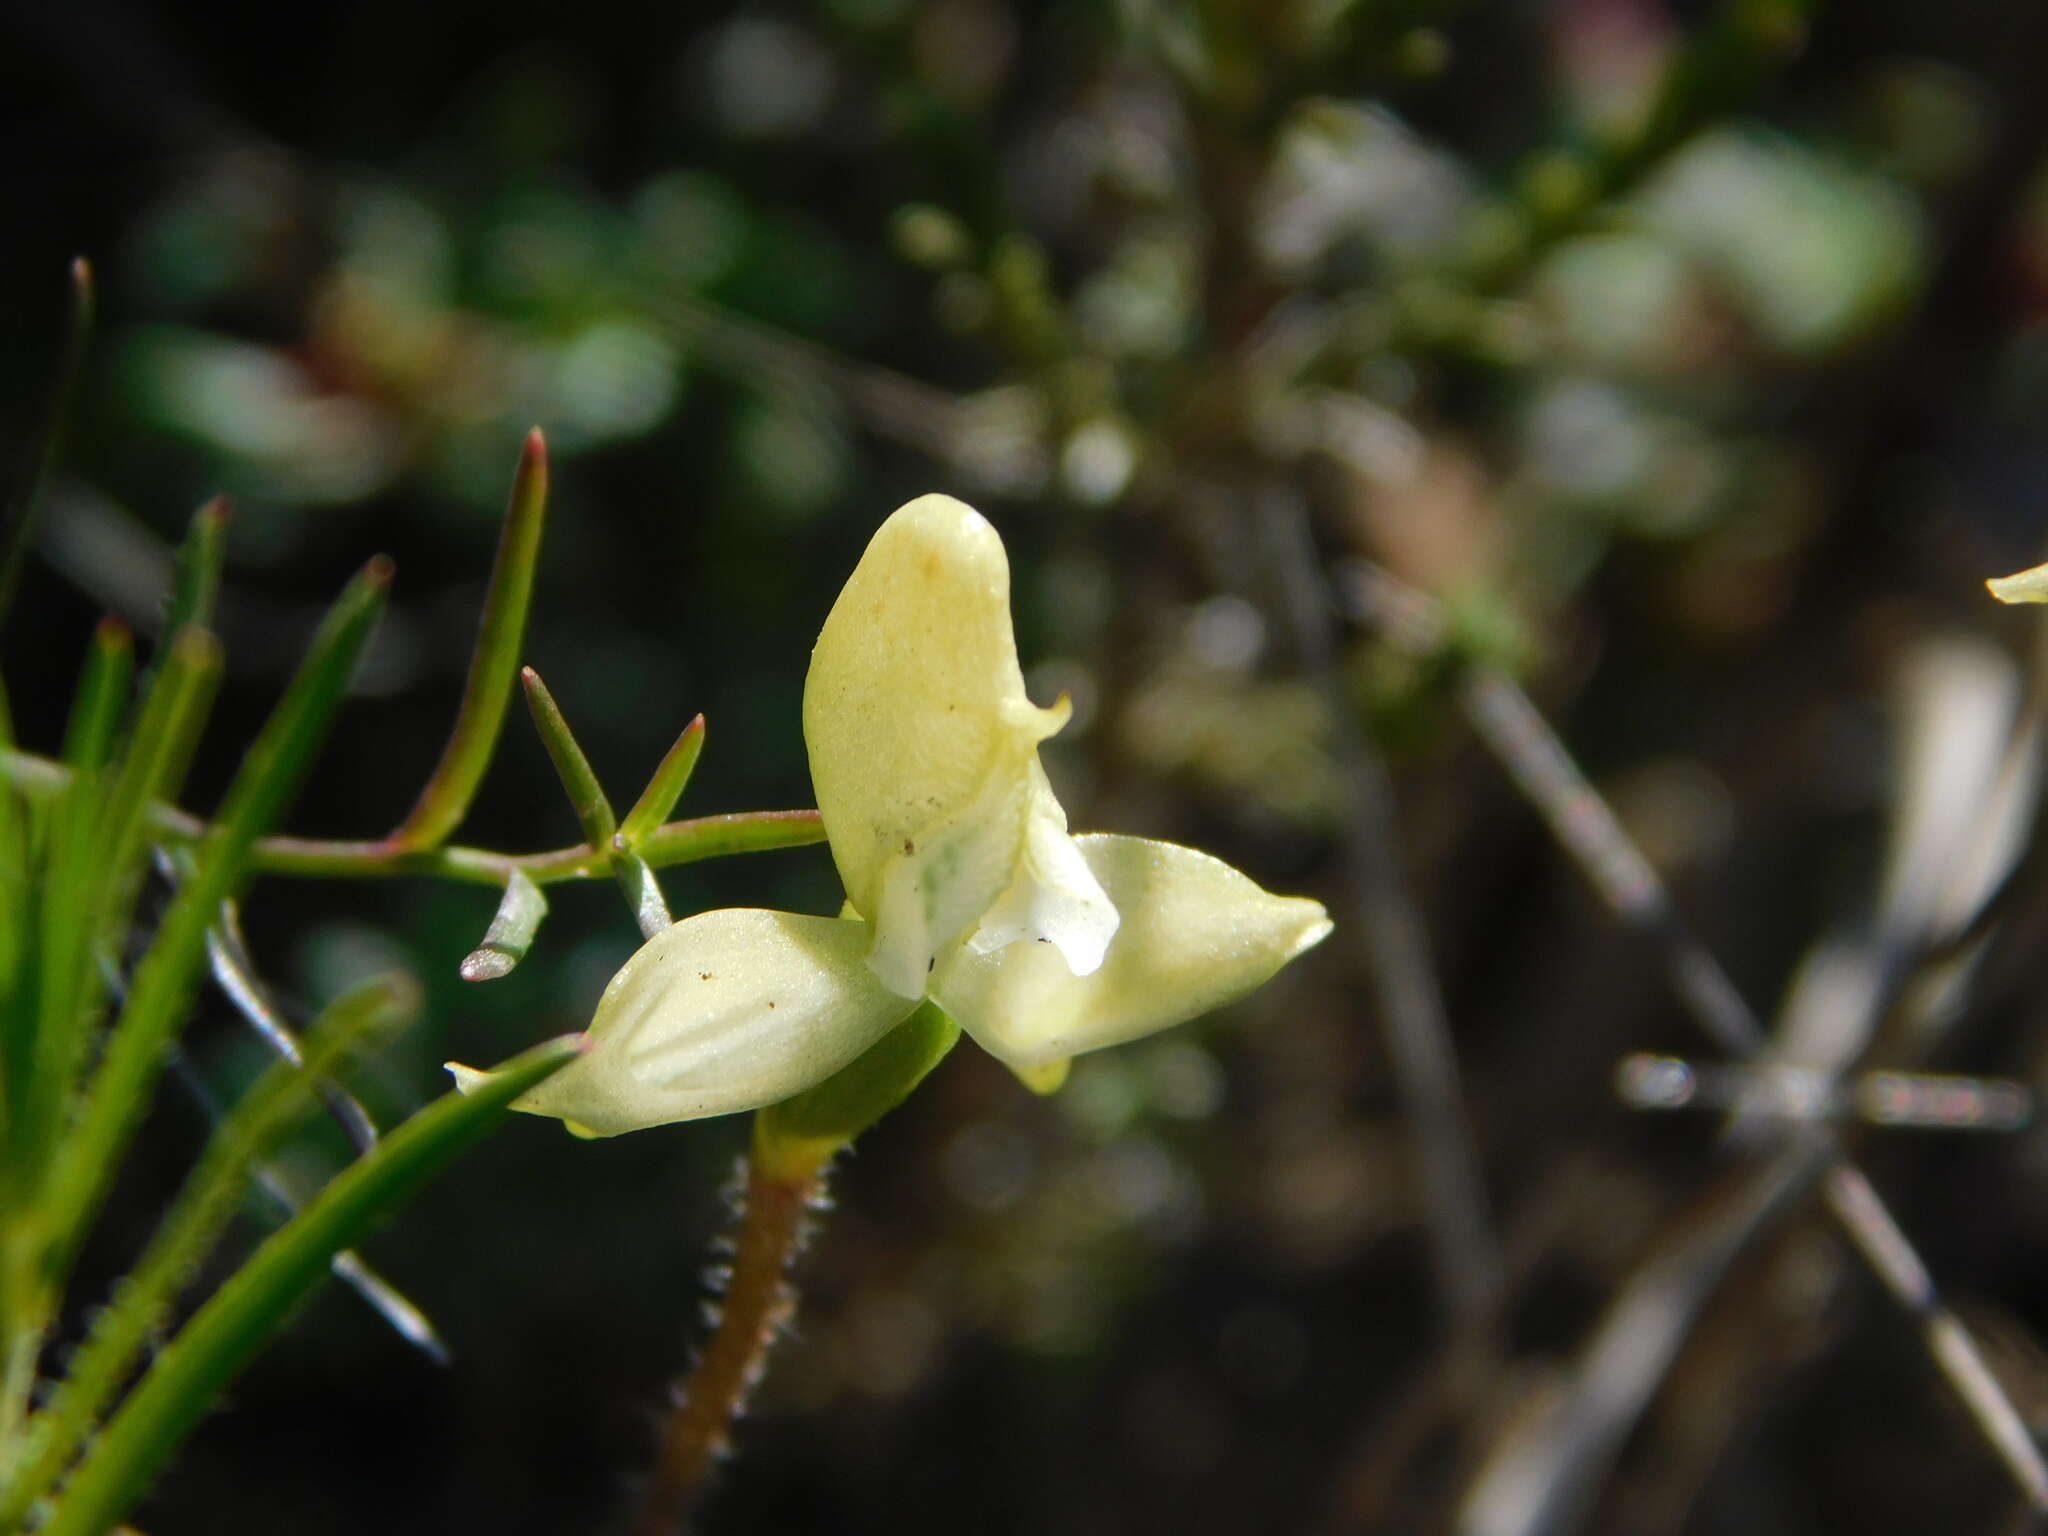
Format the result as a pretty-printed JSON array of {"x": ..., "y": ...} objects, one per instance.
[{"x": 758, "y": 1301}]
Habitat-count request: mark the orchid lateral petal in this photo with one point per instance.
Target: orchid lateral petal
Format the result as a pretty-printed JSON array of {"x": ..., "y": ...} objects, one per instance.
[
  {"x": 922, "y": 740},
  {"x": 1196, "y": 934},
  {"x": 1055, "y": 895},
  {"x": 725, "y": 1011}
]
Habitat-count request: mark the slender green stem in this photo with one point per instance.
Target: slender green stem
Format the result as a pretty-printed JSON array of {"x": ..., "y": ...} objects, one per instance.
[{"x": 678, "y": 842}]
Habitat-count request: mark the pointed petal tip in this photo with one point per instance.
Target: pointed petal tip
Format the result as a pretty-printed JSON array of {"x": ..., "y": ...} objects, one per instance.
[
  {"x": 1316, "y": 930},
  {"x": 1194, "y": 935},
  {"x": 2030, "y": 586},
  {"x": 1045, "y": 1079}
]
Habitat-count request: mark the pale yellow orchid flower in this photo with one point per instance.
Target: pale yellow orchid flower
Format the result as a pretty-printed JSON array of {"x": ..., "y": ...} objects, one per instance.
[{"x": 964, "y": 886}]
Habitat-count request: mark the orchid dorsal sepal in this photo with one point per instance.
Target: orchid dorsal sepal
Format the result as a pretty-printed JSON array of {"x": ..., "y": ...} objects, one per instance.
[{"x": 924, "y": 752}]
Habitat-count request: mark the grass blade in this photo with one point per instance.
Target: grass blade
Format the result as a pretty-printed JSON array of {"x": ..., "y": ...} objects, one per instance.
[
  {"x": 196, "y": 592},
  {"x": 219, "y": 1340},
  {"x": 279, "y": 1203},
  {"x": 487, "y": 692},
  {"x": 164, "y": 981},
  {"x": 159, "y": 756},
  {"x": 98, "y": 909},
  {"x": 141, "y": 1307},
  {"x": 20, "y": 531},
  {"x": 65, "y": 887},
  {"x": 16, "y": 917},
  {"x": 667, "y": 785},
  {"x": 102, "y": 696}
]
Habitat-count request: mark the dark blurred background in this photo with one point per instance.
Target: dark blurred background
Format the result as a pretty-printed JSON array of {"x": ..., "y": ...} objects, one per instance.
[{"x": 1691, "y": 358}]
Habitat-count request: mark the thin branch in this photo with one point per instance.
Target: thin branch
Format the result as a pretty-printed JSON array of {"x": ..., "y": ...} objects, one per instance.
[
  {"x": 1463, "y": 1245},
  {"x": 234, "y": 972},
  {"x": 1588, "y": 830},
  {"x": 1546, "y": 1471},
  {"x": 676, "y": 842}
]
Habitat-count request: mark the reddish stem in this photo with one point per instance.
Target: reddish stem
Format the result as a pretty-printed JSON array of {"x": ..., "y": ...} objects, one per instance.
[{"x": 758, "y": 1301}]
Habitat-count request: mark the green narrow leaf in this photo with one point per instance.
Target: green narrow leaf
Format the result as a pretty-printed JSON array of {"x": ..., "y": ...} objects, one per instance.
[
  {"x": 159, "y": 752},
  {"x": 487, "y": 692},
  {"x": 196, "y": 591},
  {"x": 19, "y": 951},
  {"x": 20, "y": 529},
  {"x": 141, "y": 1305},
  {"x": 571, "y": 766},
  {"x": 511, "y": 932},
  {"x": 273, "y": 767},
  {"x": 713, "y": 837},
  {"x": 666, "y": 787},
  {"x": 68, "y": 886},
  {"x": 207, "y": 1353},
  {"x": 158, "y": 757},
  {"x": 162, "y": 988},
  {"x": 14, "y": 876}
]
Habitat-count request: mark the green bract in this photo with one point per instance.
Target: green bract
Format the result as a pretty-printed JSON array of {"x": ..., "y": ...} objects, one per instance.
[{"x": 964, "y": 886}]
